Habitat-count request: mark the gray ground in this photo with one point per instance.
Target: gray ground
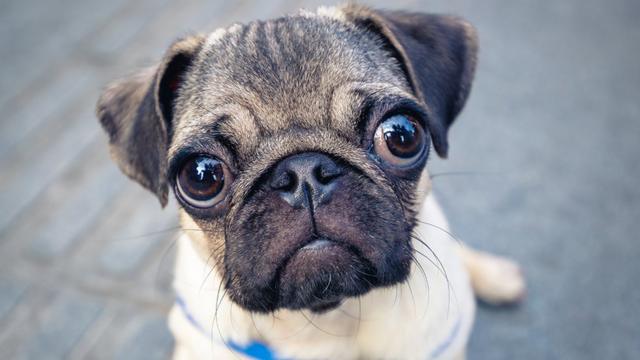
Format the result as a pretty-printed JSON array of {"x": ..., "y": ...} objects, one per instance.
[{"x": 550, "y": 136}]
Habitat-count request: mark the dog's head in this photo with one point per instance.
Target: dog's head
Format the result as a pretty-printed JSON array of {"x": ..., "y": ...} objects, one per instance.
[{"x": 297, "y": 145}]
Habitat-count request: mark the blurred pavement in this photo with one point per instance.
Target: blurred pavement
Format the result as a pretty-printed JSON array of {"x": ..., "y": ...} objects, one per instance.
[{"x": 543, "y": 167}]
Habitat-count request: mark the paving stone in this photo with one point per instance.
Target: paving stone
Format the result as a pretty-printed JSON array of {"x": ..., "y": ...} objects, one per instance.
[
  {"x": 21, "y": 322},
  {"x": 40, "y": 165},
  {"x": 62, "y": 325},
  {"x": 149, "y": 338},
  {"x": 30, "y": 115},
  {"x": 136, "y": 225},
  {"x": 16, "y": 15},
  {"x": 103, "y": 328},
  {"x": 160, "y": 273},
  {"x": 125, "y": 26},
  {"x": 51, "y": 38},
  {"x": 11, "y": 290},
  {"x": 76, "y": 214},
  {"x": 73, "y": 180}
]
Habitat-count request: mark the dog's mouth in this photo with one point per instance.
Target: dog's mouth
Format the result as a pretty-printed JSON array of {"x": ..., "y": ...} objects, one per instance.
[
  {"x": 321, "y": 273},
  {"x": 314, "y": 255}
]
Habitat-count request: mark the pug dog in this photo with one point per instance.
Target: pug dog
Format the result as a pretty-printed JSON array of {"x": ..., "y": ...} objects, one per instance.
[{"x": 296, "y": 149}]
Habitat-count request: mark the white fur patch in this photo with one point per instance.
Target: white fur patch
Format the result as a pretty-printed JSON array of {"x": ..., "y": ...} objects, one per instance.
[
  {"x": 332, "y": 12},
  {"x": 219, "y": 33}
]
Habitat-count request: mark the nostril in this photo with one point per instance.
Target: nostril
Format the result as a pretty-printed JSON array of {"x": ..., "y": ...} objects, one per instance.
[
  {"x": 326, "y": 173},
  {"x": 285, "y": 181}
]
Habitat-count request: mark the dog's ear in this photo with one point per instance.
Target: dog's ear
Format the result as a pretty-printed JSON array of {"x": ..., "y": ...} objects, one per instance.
[
  {"x": 137, "y": 114},
  {"x": 436, "y": 52}
]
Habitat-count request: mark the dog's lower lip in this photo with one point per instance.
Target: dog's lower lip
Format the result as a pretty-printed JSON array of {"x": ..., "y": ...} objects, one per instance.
[{"x": 317, "y": 244}]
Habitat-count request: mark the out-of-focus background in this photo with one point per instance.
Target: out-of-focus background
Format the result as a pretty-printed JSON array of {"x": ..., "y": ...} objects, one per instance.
[{"x": 547, "y": 154}]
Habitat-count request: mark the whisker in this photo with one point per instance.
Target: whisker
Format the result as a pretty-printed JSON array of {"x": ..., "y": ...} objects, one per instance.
[
  {"x": 206, "y": 276},
  {"x": 413, "y": 299},
  {"x": 462, "y": 173},
  {"x": 426, "y": 280},
  {"x": 328, "y": 284},
  {"x": 218, "y": 299},
  {"x": 176, "y": 228},
  {"x": 395, "y": 299},
  {"x": 217, "y": 323},
  {"x": 163, "y": 258},
  {"x": 347, "y": 314},
  {"x": 149, "y": 234},
  {"x": 441, "y": 229},
  {"x": 231, "y": 318},
  {"x": 319, "y": 328},
  {"x": 295, "y": 333},
  {"x": 429, "y": 260},
  {"x": 253, "y": 321},
  {"x": 443, "y": 271},
  {"x": 207, "y": 264},
  {"x": 359, "y": 316},
  {"x": 441, "y": 267},
  {"x": 198, "y": 230}
]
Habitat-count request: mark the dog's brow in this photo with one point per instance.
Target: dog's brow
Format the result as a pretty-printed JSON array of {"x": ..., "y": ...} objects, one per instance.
[
  {"x": 237, "y": 129},
  {"x": 363, "y": 112},
  {"x": 348, "y": 94},
  {"x": 362, "y": 97},
  {"x": 224, "y": 138}
]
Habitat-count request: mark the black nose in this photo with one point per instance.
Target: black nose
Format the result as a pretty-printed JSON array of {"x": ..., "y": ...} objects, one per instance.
[{"x": 306, "y": 179}]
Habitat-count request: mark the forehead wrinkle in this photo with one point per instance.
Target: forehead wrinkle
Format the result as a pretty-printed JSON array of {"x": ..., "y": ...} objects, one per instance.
[
  {"x": 242, "y": 128},
  {"x": 343, "y": 105},
  {"x": 228, "y": 124},
  {"x": 272, "y": 72},
  {"x": 288, "y": 73},
  {"x": 350, "y": 99}
]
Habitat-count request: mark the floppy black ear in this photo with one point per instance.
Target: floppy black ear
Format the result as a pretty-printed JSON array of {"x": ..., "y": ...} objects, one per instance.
[
  {"x": 137, "y": 114},
  {"x": 436, "y": 52}
]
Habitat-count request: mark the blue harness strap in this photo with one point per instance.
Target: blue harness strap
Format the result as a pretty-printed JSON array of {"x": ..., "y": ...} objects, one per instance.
[
  {"x": 183, "y": 306},
  {"x": 440, "y": 349},
  {"x": 254, "y": 349},
  {"x": 261, "y": 351}
]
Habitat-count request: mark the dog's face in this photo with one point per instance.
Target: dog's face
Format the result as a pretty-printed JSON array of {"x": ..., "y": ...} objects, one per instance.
[{"x": 296, "y": 145}]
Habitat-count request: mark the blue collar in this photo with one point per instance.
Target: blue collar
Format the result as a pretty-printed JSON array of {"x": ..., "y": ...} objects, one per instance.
[
  {"x": 260, "y": 351},
  {"x": 253, "y": 350}
]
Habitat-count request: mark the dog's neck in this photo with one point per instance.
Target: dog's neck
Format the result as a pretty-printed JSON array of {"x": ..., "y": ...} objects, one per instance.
[{"x": 424, "y": 311}]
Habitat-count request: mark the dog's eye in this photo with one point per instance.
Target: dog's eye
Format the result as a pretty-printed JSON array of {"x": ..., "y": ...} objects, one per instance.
[
  {"x": 201, "y": 181},
  {"x": 399, "y": 140}
]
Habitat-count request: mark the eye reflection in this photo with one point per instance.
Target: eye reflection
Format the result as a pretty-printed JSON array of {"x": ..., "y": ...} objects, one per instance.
[
  {"x": 399, "y": 140},
  {"x": 201, "y": 181}
]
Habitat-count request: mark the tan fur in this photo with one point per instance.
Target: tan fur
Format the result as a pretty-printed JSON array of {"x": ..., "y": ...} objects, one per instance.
[
  {"x": 209, "y": 246},
  {"x": 253, "y": 95},
  {"x": 403, "y": 322},
  {"x": 495, "y": 280}
]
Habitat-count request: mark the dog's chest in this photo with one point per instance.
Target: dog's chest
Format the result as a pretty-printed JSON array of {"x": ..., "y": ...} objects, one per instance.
[{"x": 429, "y": 316}]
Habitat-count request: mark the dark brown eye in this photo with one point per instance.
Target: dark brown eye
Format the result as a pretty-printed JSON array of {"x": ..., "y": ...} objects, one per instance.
[
  {"x": 399, "y": 140},
  {"x": 201, "y": 181}
]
